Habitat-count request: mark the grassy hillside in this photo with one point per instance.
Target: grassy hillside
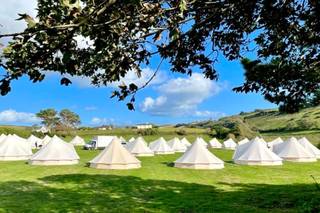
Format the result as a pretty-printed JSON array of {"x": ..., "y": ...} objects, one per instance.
[{"x": 268, "y": 123}]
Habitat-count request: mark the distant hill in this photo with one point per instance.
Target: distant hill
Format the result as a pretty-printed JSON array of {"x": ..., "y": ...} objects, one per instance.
[{"x": 261, "y": 121}]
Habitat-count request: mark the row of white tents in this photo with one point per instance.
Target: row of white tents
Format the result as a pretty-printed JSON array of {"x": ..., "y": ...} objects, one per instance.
[
  {"x": 36, "y": 142},
  {"x": 55, "y": 151}
]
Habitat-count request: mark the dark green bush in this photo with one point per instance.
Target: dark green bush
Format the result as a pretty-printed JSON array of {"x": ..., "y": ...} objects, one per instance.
[
  {"x": 181, "y": 131},
  {"x": 144, "y": 132},
  {"x": 306, "y": 124},
  {"x": 212, "y": 133},
  {"x": 291, "y": 125}
]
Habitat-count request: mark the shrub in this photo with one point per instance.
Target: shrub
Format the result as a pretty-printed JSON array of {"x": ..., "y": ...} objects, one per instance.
[
  {"x": 144, "y": 132},
  {"x": 230, "y": 135},
  {"x": 291, "y": 125},
  {"x": 306, "y": 124},
  {"x": 22, "y": 132},
  {"x": 38, "y": 134},
  {"x": 221, "y": 131},
  {"x": 212, "y": 133},
  {"x": 181, "y": 131}
]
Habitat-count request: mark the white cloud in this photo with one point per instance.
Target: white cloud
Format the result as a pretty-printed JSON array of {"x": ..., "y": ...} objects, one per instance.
[
  {"x": 209, "y": 114},
  {"x": 181, "y": 96},
  {"x": 101, "y": 121},
  {"x": 9, "y": 13},
  {"x": 90, "y": 108},
  {"x": 12, "y": 116}
]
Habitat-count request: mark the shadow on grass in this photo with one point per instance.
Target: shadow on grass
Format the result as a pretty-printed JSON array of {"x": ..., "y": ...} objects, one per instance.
[
  {"x": 169, "y": 164},
  {"x": 111, "y": 193}
]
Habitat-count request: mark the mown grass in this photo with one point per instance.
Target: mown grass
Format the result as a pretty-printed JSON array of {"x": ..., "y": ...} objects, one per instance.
[{"x": 158, "y": 187}]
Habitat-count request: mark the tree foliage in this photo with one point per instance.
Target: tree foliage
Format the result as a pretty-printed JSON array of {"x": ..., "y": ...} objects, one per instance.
[
  {"x": 49, "y": 117},
  {"x": 69, "y": 118},
  {"x": 187, "y": 34},
  {"x": 64, "y": 119},
  {"x": 289, "y": 85}
]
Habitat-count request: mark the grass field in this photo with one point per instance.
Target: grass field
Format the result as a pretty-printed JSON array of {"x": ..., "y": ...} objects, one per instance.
[{"x": 158, "y": 187}]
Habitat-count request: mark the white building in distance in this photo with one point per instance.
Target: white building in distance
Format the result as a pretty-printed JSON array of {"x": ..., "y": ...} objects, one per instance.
[{"x": 144, "y": 126}]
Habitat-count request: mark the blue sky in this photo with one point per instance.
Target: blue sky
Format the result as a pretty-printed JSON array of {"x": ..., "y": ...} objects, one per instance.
[{"x": 171, "y": 98}]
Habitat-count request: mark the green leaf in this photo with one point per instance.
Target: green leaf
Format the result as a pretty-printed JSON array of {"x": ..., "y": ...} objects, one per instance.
[
  {"x": 69, "y": 4},
  {"x": 130, "y": 106},
  {"x": 133, "y": 87},
  {"x": 30, "y": 21},
  {"x": 65, "y": 81}
]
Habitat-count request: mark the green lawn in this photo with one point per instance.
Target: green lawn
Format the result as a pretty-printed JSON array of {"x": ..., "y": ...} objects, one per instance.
[{"x": 158, "y": 187}]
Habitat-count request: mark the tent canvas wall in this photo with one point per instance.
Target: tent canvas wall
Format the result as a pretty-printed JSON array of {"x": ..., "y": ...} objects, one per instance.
[
  {"x": 12, "y": 149},
  {"x": 198, "y": 157},
  {"x": 56, "y": 152},
  {"x": 34, "y": 141},
  {"x": 115, "y": 156},
  {"x": 2, "y": 136}
]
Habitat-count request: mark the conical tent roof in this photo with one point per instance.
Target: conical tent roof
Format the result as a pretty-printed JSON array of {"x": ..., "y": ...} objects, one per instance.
[
  {"x": 255, "y": 152},
  {"x": 122, "y": 140},
  {"x": 198, "y": 157},
  {"x": 56, "y": 152},
  {"x": 176, "y": 145},
  {"x": 185, "y": 142},
  {"x": 275, "y": 142},
  {"x": 202, "y": 141},
  {"x": 139, "y": 148},
  {"x": 309, "y": 147},
  {"x": 45, "y": 140},
  {"x": 23, "y": 141},
  {"x": 115, "y": 156},
  {"x": 77, "y": 141},
  {"x": 160, "y": 146},
  {"x": 243, "y": 141},
  {"x": 292, "y": 150},
  {"x": 229, "y": 144},
  {"x": 11, "y": 148},
  {"x": 214, "y": 143},
  {"x": 240, "y": 149},
  {"x": 34, "y": 141},
  {"x": 131, "y": 139},
  {"x": 262, "y": 140}
]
